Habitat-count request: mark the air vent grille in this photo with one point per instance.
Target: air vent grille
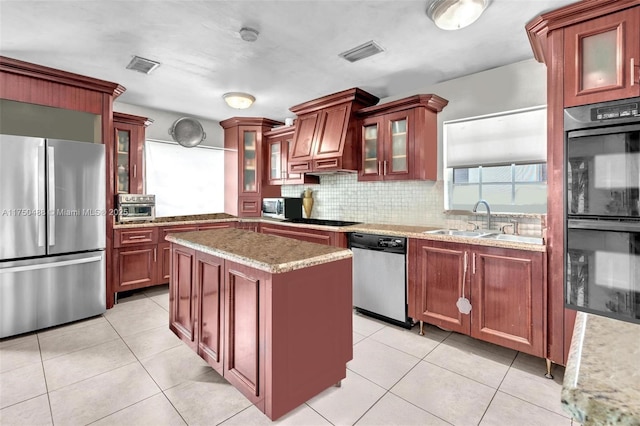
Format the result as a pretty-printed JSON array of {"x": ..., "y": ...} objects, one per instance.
[
  {"x": 142, "y": 65},
  {"x": 365, "y": 50}
]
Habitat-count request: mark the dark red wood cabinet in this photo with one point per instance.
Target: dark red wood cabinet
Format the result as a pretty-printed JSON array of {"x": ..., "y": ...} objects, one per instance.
[
  {"x": 326, "y": 135},
  {"x": 142, "y": 256},
  {"x": 242, "y": 321},
  {"x": 244, "y": 163},
  {"x": 129, "y": 137},
  {"x": 506, "y": 288},
  {"x": 602, "y": 59},
  {"x": 279, "y": 142},
  {"x": 560, "y": 38},
  {"x": 399, "y": 139}
]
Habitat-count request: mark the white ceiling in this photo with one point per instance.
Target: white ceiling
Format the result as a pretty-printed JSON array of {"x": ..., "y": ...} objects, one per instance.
[{"x": 295, "y": 58}]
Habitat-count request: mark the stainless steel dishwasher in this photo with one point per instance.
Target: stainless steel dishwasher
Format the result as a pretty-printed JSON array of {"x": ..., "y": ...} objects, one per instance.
[{"x": 380, "y": 277}]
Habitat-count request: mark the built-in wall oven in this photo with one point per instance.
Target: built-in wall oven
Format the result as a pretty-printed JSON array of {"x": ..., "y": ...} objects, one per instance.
[
  {"x": 136, "y": 208},
  {"x": 602, "y": 189}
]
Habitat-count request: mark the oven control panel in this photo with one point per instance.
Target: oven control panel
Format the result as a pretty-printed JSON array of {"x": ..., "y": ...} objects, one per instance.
[{"x": 618, "y": 111}]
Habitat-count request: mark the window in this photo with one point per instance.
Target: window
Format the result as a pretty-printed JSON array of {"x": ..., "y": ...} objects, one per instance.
[
  {"x": 185, "y": 181},
  {"x": 500, "y": 158},
  {"x": 508, "y": 189}
]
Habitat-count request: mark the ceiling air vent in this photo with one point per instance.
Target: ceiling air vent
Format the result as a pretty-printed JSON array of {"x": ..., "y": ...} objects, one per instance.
[
  {"x": 365, "y": 50},
  {"x": 142, "y": 65}
]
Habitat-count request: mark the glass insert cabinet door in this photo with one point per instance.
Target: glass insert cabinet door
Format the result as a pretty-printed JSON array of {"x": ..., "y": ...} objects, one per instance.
[
  {"x": 370, "y": 156},
  {"x": 601, "y": 58},
  {"x": 398, "y": 149},
  {"x": 249, "y": 161},
  {"x": 275, "y": 161},
  {"x": 123, "y": 146}
]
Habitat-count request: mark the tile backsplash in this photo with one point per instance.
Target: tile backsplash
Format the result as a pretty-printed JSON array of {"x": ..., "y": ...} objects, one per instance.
[{"x": 342, "y": 197}]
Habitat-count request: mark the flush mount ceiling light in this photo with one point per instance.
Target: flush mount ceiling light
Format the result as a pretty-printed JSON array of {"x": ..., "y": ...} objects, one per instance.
[
  {"x": 238, "y": 100},
  {"x": 455, "y": 14},
  {"x": 248, "y": 34},
  {"x": 142, "y": 65}
]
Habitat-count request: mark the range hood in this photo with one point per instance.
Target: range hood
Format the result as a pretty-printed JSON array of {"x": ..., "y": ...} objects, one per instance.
[{"x": 326, "y": 136}]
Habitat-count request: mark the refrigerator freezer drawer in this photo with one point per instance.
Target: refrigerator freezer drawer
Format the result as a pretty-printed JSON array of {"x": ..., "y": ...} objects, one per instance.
[{"x": 44, "y": 292}]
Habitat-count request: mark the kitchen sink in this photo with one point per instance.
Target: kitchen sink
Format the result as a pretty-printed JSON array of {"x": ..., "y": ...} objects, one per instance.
[
  {"x": 458, "y": 233},
  {"x": 486, "y": 234}
]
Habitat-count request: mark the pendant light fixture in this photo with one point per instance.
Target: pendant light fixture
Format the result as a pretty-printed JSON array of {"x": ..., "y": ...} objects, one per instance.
[
  {"x": 238, "y": 100},
  {"x": 455, "y": 14}
]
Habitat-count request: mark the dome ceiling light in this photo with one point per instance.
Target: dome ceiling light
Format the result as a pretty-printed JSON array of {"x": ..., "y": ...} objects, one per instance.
[
  {"x": 249, "y": 34},
  {"x": 238, "y": 100},
  {"x": 455, "y": 14}
]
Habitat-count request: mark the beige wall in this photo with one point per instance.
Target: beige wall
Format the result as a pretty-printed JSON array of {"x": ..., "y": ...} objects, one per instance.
[{"x": 514, "y": 86}]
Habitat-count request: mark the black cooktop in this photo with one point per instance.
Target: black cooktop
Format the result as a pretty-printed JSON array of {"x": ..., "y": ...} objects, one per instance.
[{"x": 325, "y": 222}]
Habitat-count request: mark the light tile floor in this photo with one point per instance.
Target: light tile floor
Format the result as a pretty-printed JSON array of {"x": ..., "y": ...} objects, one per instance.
[{"x": 126, "y": 368}]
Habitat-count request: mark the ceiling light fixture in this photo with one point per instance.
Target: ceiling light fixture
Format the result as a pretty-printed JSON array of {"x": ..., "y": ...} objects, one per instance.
[
  {"x": 455, "y": 14},
  {"x": 248, "y": 34},
  {"x": 238, "y": 100}
]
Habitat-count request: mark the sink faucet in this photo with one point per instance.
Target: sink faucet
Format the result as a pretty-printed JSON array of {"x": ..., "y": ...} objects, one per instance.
[{"x": 475, "y": 209}]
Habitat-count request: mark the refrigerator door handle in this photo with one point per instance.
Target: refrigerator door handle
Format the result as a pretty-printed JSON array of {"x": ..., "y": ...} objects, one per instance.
[
  {"x": 51, "y": 214},
  {"x": 41, "y": 213},
  {"x": 50, "y": 265}
]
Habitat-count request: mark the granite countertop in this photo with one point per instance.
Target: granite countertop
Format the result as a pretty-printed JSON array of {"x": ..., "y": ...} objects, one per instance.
[
  {"x": 268, "y": 253},
  {"x": 602, "y": 378},
  {"x": 409, "y": 231},
  {"x": 179, "y": 220}
]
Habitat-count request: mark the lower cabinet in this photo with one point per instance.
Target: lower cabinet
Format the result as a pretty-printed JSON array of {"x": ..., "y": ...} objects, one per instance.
[
  {"x": 505, "y": 288},
  {"x": 331, "y": 238},
  {"x": 245, "y": 323},
  {"x": 141, "y": 255}
]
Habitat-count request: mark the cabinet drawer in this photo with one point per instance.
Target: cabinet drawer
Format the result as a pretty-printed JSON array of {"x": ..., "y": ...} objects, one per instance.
[
  {"x": 299, "y": 166},
  {"x": 129, "y": 237}
]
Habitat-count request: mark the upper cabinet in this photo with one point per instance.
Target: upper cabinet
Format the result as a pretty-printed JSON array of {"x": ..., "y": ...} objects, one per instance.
[
  {"x": 279, "y": 142},
  {"x": 244, "y": 162},
  {"x": 326, "y": 135},
  {"x": 602, "y": 58},
  {"x": 129, "y": 137},
  {"x": 399, "y": 140}
]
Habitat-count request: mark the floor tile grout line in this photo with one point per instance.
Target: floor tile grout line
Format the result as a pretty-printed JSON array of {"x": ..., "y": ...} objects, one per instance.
[
  {"x": 497, "y": 389},
  {"x": 460, "y": 374},
  {"x": 123, "y": 408},
  {"x": 46, "y": 385}
]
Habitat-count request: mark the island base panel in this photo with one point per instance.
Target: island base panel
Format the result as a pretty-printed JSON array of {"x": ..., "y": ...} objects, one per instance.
[{"x": 309, "y": 333}]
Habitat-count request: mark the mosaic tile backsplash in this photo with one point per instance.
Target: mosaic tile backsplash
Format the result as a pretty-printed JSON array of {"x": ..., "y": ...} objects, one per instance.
[{"x": 342, "y": 197}]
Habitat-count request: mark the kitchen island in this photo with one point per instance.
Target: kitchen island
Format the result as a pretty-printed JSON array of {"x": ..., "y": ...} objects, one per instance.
[
  {"x": 602, "y": 379},
  {"x": 271, "y": 314}
]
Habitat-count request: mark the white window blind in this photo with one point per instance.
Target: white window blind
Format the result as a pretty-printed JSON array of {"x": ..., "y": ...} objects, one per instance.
[
  {"x": 185, "y": 181},
  {"x": 514, "y": 137}
]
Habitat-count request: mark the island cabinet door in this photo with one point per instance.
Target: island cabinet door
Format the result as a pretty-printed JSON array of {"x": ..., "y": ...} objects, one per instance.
[
  {"x": 508, "y": 296},
  {"x": 182, "y": 297},
  {"x": 210, "y": 326},
  {"x": 440, "y": 280},
  {"x": 245, "y": 303}
]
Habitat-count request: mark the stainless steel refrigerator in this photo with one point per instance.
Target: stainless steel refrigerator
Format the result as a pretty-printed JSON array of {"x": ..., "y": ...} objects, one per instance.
[{"x": 52, "y": 232}]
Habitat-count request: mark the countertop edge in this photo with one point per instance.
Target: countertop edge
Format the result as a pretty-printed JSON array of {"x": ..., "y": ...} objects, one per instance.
[
  {"x": 590, "y": 392},
  {"x": 371, "y": 228},
  {"x": 271, "y": 268}
]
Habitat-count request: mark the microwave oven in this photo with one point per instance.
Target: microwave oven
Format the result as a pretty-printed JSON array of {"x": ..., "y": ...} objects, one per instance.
[
  {"x": 136, "y": 208},
  {"x": 282, "y": 208}
]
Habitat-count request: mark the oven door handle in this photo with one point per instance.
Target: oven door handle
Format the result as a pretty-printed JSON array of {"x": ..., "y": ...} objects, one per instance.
[
  {"x": 613, "y": 129},
  {"x": 602, "y": 225}
]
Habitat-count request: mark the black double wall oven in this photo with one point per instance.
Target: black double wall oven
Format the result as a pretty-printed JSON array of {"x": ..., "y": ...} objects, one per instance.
[{"x": 602, "y": 210}]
